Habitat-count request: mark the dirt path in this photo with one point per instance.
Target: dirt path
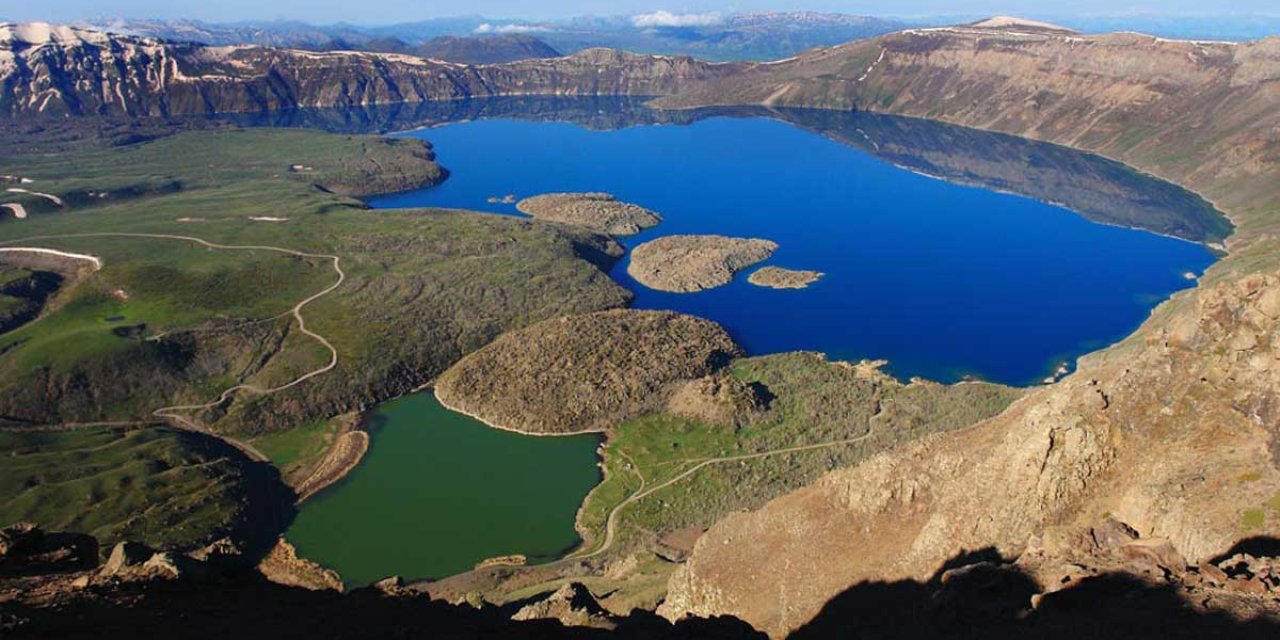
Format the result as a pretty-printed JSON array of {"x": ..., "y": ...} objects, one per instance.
[
  {"x": 611, "y": 523},
  {"x": 172, "y": 412}
]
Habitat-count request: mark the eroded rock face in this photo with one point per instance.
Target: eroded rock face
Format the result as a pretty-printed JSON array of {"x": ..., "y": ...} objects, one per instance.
[
  {"x": 685, "y": 264},
  {"x": 596, "y": 211},
  {"x": 90, "y": 72},
  {"x": 1167, "y": 432},
  {"x": 586, "y": 372}
]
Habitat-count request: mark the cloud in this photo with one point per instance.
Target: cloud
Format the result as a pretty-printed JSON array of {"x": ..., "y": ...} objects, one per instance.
[
  {"x": 509, "y": 28},
  {"x": 668, "y": 19}
]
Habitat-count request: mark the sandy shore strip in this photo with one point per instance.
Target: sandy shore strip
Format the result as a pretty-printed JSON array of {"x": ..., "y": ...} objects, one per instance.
[
  {"x": 348, "y": 449},
  {"x": 50, "y": 197},
  {"x": 93, "y": 260}
]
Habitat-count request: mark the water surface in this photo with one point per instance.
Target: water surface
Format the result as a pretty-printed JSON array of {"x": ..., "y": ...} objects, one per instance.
[
  {"x": 944, "y": 279},
  {"x": 439, "y": 492}
]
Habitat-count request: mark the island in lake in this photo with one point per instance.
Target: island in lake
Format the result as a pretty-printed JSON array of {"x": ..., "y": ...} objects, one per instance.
[
  {"x": 600, "y": 212},
  {"x": 779, "y": 278},
  {"x": 685, "y": 264}
]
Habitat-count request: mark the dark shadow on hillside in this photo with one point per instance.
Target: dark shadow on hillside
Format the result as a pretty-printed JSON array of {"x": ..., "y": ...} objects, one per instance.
[
  {"x": 249, "y": 608},
  {"x": 268, "y": 507},
  {"x": 992, "y": 599},
  {"x": 1259, "y": 546}
]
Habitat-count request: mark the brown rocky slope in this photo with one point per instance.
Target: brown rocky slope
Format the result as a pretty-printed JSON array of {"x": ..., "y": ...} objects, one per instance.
[{"x": 1174, "y": 430}]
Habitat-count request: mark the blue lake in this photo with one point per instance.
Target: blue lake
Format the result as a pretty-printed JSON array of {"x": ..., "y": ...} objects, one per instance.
[{"x": 943, "y": 278}]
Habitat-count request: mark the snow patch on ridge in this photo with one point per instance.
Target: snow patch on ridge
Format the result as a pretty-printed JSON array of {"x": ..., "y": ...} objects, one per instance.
[
  {"x": 1010, "y": 22},
  {"x": 42, "y": 33}
]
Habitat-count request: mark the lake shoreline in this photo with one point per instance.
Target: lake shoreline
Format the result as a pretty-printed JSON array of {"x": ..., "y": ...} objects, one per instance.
[{"x": 443, "y": 492}]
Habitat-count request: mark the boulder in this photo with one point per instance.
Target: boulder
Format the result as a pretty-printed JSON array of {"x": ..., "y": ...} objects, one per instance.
[
  {"x": 1110, "y": 535},
  {"x": 164, "y": 564},
  {"x": 125, "y": 555},
  {"x": 391, "y": 586},
  {"x": 1154, "y": 553},
  {"x": 1211, "y": 574}
]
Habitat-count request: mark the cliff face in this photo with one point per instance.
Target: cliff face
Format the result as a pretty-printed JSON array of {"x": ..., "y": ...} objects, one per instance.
[
  {"x": 1174, "y": 431},
  {"x": 68, "y": 71}
]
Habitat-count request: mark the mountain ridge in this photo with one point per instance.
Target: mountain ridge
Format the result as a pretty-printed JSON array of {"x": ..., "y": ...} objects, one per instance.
[{"x": 101, "y": 74}]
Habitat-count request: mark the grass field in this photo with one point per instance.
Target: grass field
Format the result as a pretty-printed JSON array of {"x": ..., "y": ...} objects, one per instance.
[
  {"x": 159, "y": 486},
  {"x": 814, "y": 402}
]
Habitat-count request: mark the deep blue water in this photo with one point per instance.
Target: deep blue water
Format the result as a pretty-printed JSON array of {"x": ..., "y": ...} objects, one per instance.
[{"x": 943, "y": 280}]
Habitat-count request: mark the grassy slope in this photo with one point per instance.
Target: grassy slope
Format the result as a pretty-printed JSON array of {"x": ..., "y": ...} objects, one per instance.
[
  {"x": 163, "y": 487},
  {"x": 439, "y": 283},
  {"x": 169, "y": 321},
  {"x": 814, "y": 402}
]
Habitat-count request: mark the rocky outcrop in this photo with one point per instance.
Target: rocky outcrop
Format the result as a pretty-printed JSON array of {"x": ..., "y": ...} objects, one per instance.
[
  {"x": 600, "y": 212},
  {"x": 572, "y": 605},
  {"x": 685, "y": 264},
  {"x": 56, "y": 70},
  {"x": 586, "y": 372},
  {"x": 283, "y": 566},
  {"x": 779, "y": 278},
  {"x": 721, "y": 400}
]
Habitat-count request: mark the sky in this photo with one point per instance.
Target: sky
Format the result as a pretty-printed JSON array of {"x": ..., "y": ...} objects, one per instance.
[{"x": 391, "y": 11}]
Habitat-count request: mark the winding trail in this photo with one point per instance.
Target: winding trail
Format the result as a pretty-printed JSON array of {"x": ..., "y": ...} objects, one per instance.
[
  {"x": 172, "y": 412},
  {"x": 611, "y": 523}
]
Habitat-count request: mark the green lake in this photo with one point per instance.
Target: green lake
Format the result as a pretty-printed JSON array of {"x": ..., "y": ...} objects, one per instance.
[{"x": 439, "y": 491}]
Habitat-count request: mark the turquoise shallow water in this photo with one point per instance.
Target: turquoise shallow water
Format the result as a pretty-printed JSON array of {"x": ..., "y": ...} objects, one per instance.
[
  {"x": 439, "y": 491},
  {"x": 943, "y": 280}
]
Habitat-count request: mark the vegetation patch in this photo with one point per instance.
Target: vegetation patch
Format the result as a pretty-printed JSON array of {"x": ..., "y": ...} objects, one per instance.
[
  {"x": 585, "y": 372},
  {"x": 856, "y": 409},
  {"x": 596, "y": 211},
  {"x": 171, "y": 321},
  {"x": 1253, "y": 518},
  {"x": 163, "y": 487}
]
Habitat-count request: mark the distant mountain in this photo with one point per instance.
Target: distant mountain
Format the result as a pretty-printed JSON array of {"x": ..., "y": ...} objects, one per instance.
[
  {"x": 748, "y": 36},
  {"x": 486, "y": 49},
  {"x": 289, "y": 34}
]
